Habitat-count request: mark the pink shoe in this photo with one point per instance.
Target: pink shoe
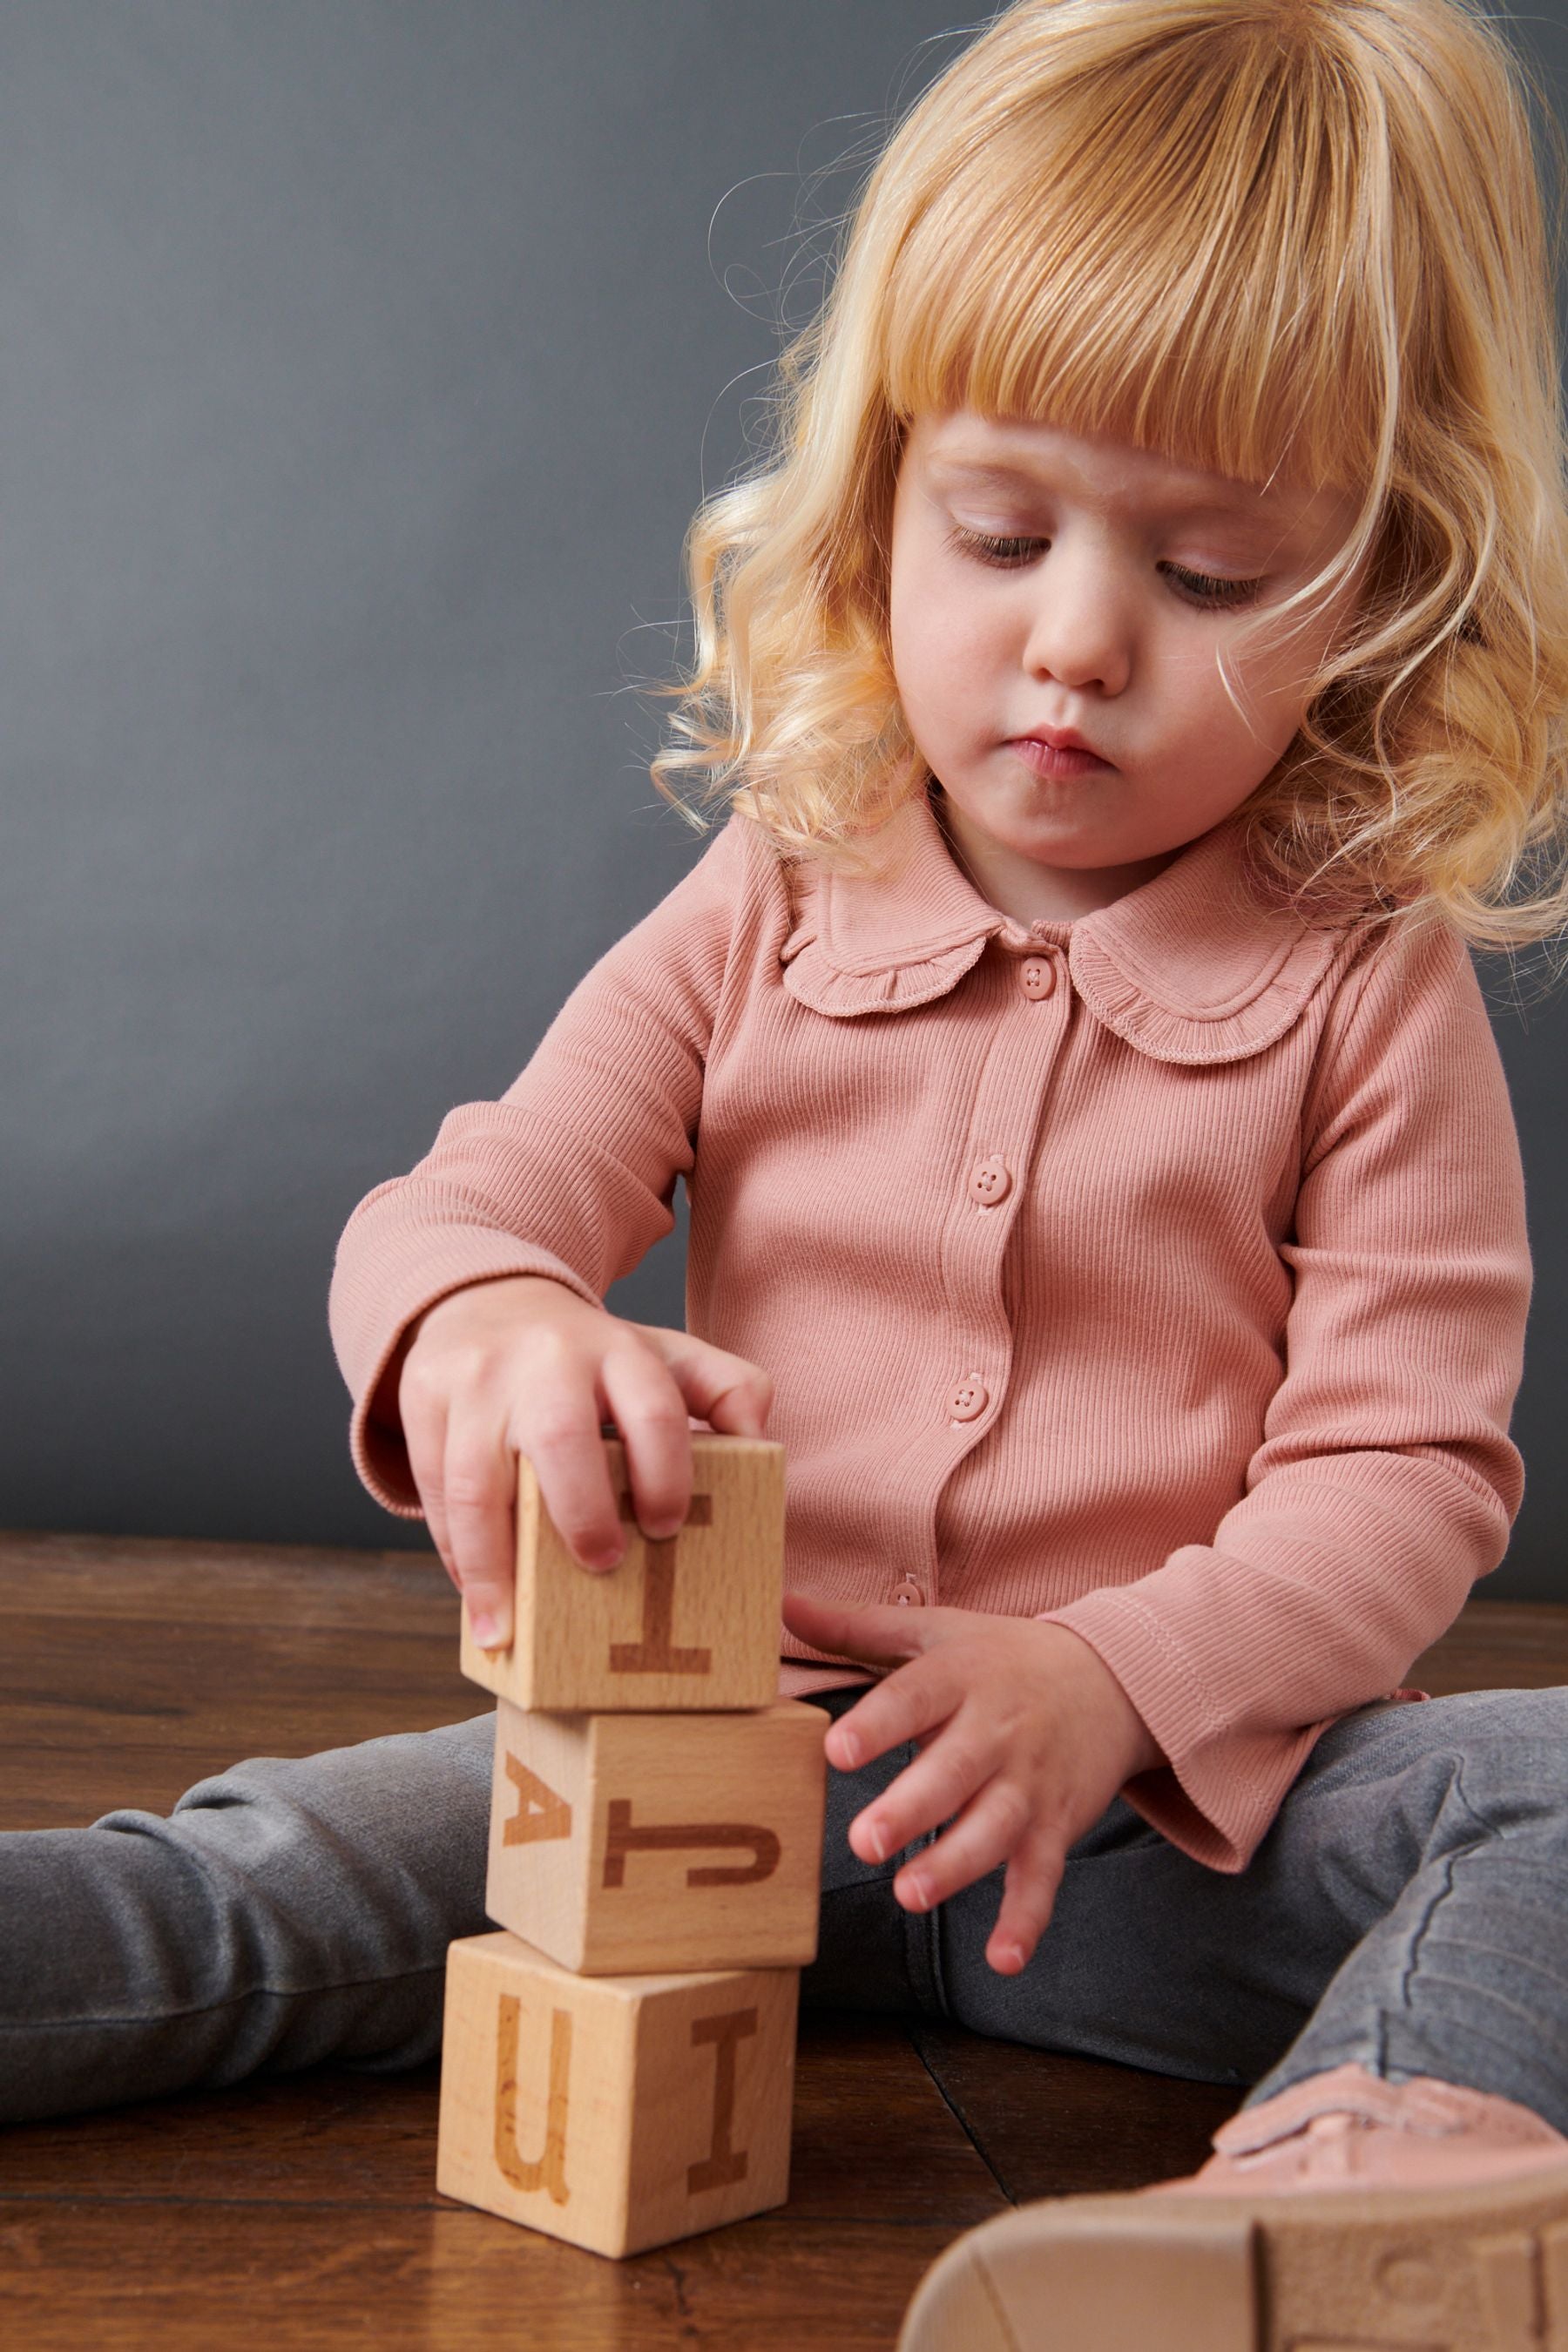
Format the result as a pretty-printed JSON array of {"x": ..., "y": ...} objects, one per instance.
[
  {"x": 1346, "y": 2212},
  {"x": 1350, "y": 2129}
]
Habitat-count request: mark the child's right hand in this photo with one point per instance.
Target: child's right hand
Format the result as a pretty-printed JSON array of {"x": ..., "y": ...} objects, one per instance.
[{"x": 523, "y": 1366}]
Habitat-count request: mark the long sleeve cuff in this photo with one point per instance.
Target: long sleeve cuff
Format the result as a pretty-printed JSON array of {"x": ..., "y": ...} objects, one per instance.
[
  {"x": 1318, "y": 1590},
  {"x": 1221, "y": 1787},
  {"x": 375, "y": 1304}
]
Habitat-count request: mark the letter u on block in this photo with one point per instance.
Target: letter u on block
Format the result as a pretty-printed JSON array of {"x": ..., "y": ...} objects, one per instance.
[
  {"x": 547, "y": 2172},
  {"x": 677, "y": 1837}
]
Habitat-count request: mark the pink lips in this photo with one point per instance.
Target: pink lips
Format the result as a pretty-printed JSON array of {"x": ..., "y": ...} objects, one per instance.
[{"x": 1057, "y": 751}]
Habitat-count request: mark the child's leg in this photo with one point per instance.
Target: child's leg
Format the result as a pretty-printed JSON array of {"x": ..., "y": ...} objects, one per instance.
[
  {"x": 1405, "y": 1913},
  {"x": 288, "y": 1913},
  {"x": 1366, "y": 2193},
  {"x": 285, "y": 1913},
  {"x": 1464, "y": 1977}
]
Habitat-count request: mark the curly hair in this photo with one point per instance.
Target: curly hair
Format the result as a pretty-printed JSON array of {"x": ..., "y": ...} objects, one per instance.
[{"x": 1250, "y": 234}]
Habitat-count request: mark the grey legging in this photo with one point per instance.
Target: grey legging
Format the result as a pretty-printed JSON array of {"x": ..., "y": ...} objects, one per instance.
[{"x": 1406, "y": 1909}]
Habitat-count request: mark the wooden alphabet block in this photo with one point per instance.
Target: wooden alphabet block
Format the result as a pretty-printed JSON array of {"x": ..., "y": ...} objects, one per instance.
[
  {"x": 690, "y": 1623},
  {"x": 619, "y": 2112},
  {"x": 634, "y": 1842}
]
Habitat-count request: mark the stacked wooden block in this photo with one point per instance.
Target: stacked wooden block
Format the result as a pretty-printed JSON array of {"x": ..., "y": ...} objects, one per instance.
[{"x": 619, "y": 2059}]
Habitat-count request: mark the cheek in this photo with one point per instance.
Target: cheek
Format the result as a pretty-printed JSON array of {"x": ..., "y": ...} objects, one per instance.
[
  {"x": 1276, "y": 680},
  {"x": 916, "y": 652},
  {"x": 1266, "y": 689},
  {"x": 1278, "y": 698},
  {"x": 935, "y": 641}
]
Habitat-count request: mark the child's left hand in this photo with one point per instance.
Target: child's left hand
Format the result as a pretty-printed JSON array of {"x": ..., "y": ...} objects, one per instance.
[{"x": 1026, "y": 1735}]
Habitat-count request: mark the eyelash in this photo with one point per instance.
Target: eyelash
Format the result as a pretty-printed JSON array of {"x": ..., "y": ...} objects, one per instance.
[{"x": 1198, "y": 587}]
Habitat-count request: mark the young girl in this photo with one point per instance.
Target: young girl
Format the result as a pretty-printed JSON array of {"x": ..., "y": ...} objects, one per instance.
[{"x": 1137, "y": 678}]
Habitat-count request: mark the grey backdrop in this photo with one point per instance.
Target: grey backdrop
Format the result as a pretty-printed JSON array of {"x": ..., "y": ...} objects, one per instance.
[{"x": 360, "y": 364}]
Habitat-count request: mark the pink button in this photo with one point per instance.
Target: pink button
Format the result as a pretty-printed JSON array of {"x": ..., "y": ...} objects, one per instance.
[
  {"x": 968, "y": 1399},
  {"x": 909, "y": 1594},
  {"x": 1038, "y": 975},
  {"x": 990, "y": 1180}
]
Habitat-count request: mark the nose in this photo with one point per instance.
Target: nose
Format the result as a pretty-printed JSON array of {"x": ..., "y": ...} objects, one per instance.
[{"x": 1081, "y": 627}]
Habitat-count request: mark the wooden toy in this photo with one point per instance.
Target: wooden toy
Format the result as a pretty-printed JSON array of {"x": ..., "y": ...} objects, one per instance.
[
  {"x": 691, "y": 1623},
  {"x": 617, "y": 2112},
  {"x": 642, "y": 1842},
  {"x": 654, "y": 1808}
]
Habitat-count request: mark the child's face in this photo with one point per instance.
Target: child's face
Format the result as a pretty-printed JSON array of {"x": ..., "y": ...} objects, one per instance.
[{"x": 1038, "y": 582}]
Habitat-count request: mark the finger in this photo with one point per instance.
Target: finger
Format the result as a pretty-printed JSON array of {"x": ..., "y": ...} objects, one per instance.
[
  {"x": 1028, "y": 1898},
  {"x": 876, "y": 1636},
  {"x": 650, "y": 1410},
  {"x": 726, "y": 1391},
  {"x": 910, "y": 1705},
  {"x": 561, "y": 1437},
  {"x": 932, "y": 1789},
  {"x": 982, "y": 1838},
  {"x": 479, "y": 1489},
  {"x": 425, "y": 1435}
]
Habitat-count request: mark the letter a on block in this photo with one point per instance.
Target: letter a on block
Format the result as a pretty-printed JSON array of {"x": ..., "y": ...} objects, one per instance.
[
  {"x": 656, "y": 1654},
  {"x": 722, "y": 2165},
  {"x": 547, "y": 2172},
  {"x": 541, "y": 1813}
]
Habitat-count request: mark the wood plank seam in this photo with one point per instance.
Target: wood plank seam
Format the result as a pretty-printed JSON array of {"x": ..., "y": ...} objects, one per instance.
[{"x": 956, "y": 2112}]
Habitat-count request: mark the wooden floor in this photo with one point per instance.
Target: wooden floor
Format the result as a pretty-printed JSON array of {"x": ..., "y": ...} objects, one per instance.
[{"x": 302, "y": 2212}]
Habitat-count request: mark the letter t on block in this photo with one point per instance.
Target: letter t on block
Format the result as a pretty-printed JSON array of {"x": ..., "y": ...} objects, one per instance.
[
  {"x": 688, "y": 1623},
  {"x": 654, "y": 1652}
]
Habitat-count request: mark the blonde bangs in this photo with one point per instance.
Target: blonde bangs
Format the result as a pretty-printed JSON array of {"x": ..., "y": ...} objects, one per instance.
[{"x": 1196, "y": 298}]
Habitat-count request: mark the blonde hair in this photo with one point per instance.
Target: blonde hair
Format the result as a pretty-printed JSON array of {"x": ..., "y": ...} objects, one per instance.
[{"x": 1246, "y": 234}]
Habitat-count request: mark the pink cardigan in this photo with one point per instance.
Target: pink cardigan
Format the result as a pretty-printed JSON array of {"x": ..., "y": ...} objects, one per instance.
[{"x": 1163, "y": 1272}]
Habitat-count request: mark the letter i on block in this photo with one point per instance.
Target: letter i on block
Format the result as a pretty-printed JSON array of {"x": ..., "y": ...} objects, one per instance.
[
  {"x": 691, "y": 1623},
  {"x": 617, "y": 2112}
]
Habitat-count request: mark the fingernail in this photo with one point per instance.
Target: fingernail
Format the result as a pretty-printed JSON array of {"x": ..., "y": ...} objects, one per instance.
[
  {"x": 846, "y": 1751},
  {"x": 660, "y": 1531},
  {"x": 916, "y": 1894},
  {"x": 876, "y": 1838},
  {"x": 608, "y": 1556},
  {"x": 484, "y": 1628}
]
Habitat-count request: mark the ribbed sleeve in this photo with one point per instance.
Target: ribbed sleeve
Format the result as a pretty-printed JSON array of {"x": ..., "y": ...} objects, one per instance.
[
  {"x": 571, "y": 1174},
  {"x": 1385, "y": 1482}
]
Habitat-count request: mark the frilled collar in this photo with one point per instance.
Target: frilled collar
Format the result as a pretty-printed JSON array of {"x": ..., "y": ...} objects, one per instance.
[{"x": 1196, "y": 965}]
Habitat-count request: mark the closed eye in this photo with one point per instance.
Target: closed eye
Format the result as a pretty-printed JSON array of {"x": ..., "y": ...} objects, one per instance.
[
  {"x": 1005, "y": 553},
  {"x": 1204, "y": 589},
  {"x": 1011, "y": 554}
]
